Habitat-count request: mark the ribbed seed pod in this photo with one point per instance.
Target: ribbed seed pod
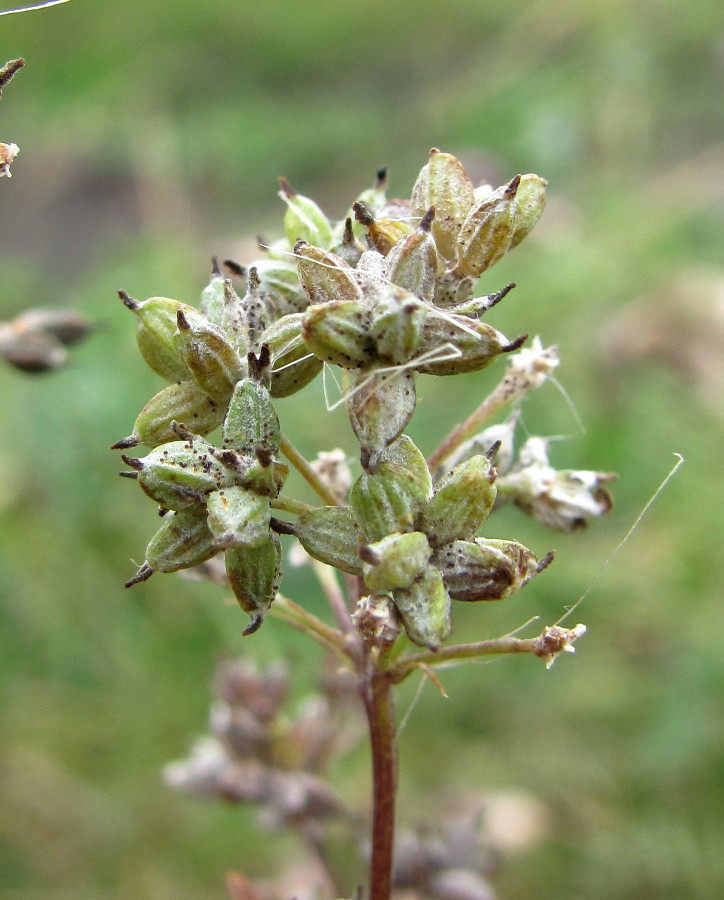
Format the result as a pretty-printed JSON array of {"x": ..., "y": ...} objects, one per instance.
[
  {"x": 212, "y": 296},
  {"x": 337, "y": 332},
  {"x": 279, "y": 287},
  {"x": 293, "y": 365},
  {"x": 180, "y": 474},
  {"x": 485, "y": 569},
  {"x": 155, "y": 330},
  {"x": 413, "y": 262},
  {"x": 405, "y": 453},
  {"x": 210, "y": 359},
  {"x": 238, "y": 517},
  {"x": 461, "y": 503},
  {"x": 389, "y": 501},
  {"x": 444, "y": 184},
  {"x": 265, "y": 478},
  {"x": 486, "y": 234},
  {"x": 251, "y": 422},
  {"x": 530, "y": 202},
  {"x": 470, "y": 345},
  {"x": 331, "y": 535},
  {"x": 254, "y": 574},
  {"x": 183, "y": 402},
  {"x": 424, "y": 608},
  {"x": 396, "y": 324},
  {"x": 182, "y": 541},
  {"x": 395, "y": 561},
  {"x": 304, "y": 220},
  {"x": 379, "y": 411},
  {"x": 324, "y": 276}
]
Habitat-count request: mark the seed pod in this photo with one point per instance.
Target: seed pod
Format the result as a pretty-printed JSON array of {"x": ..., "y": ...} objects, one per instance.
[
  {"x": 180, "y": 474},
  {"x": 304, "y": 220},
  {"x": 209, "y": 357},
  {"x": 331, "y": 535},
  {"x": 404, "y": 452},
  {"x": 255, "y": 315},
  {"x": 254, "y": 574},
  {"x": 530, "y": 202},
  {"x": 486, "y": 234},
  {"x": 444, "y": 184},
  {"x": 238, "y": 518},
  {"x": 212, "y": 296},
  {"x": 486, "y": 569},
  {"x": 397, "y": 322},
  {"x": 389, "y": 501},
  {"x": 413, "y": 262},
  {"x": 324, "y": 276},
  {"x": 461, "y": 503},
  {"x": 470, "y": 345},
  {"x": 279, "y": 287},
  {"x": 451, "y": 289},
  {"x": 424, "y": 608},
  {"x": 395, "y": 561},
  {"x": 182, "y": 541},
  {"x": 379, "y": 410},
  {"x": 292, "y": 364},
  {"x": 349, "y": 247},
  {"x": 155, "y": 330},
  {"x": 251, "y": 422},
  {"x": 373, "y": 198},
  {"x": 382, "y": 233},
  {"x": 183, "y": 402},
  {"x": 338, "y": 333},
  {"x": 266, "y": 478}
]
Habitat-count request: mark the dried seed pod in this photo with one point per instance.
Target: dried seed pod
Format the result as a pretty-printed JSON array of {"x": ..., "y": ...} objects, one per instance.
[
  {"x": 396, "y": 323},
  {"x": 530, "y": 202},
  {"x": 391, "y": 500},
  {"x": 238, "y": 517},
  {"x": 337, "y": 332},
  {"x": 486, "y": 569},
  {"x": 395, "y": 561},
  {"x": 486, "y": 234},
  {"x": 155, "y": 330},
  {"x": 331, "y": 535},
  {"x": 254, "y": 574},
  {"x": 380, "y": 407},
  {"x": 212, "y": 296},
  {"x": 324, "y": 276},
  {"x": 413, "y": 262},
  {"x": 182, "y": 541},
  {"x": 382, "y": 233},
  {"x": 304, "y": 220},
  {"x": 444, "y": 184},
  {"x": 211, "y": 360},
  {"x": 461, "y": 503},
  {"x": 469, "y": 345},
  {"x": 183, "y": 402},
  {"x": 373, "y": 199},
  {"x": 180, "y": 474},
  {"x": 451, "y": 289},
  {"x": 292, "y": 364},
  {"x": 252, "y": 423},
  {"x": 424, "y": 608}
]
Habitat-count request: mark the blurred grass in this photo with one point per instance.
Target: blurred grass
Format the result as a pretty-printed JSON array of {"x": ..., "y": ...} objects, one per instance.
[{"x": 150, "y": 140}]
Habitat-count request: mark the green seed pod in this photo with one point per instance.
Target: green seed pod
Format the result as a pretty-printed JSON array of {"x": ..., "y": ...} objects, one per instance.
[
  {"x": 380, "y": 407},
  {"x": 397, "y": 322},
  {"x": 304, "y": 220},
  {"x": 182, "y": 541},
  {"x": 265, "y": 478},
  {"x": 395, "y": 561},
  {"x": 209, "y": 357},
  {"x": 349, "y": 247},
  {"x": 180, "y": 474},
  {"x": 279, "y": 287},
  {"x": 461, "y": 503},
  {"x": 486, "y": 570},
  {"x": 444, "y": 184},
  {"x": 292, "y": 364},
  {"x": 155, "y": 331},
  {"x": 404, "y": 452},
  {"x": 387, "y": 502},
  {"x": 183, "y": 402},
  {"x": 470, "y": 345},
  {"x": 254, "y": 574},
  {"x": 337, "y": 332},
  {"x": 486, "y": 234},
  {"x": 212, "y": 296},
  {"x": 424, "y": 608},
  {"x": 324, "y": 276},
  {"x": 252, "y": 424},
  {"x": 413, "y": 262},
  {"x": 238, "y": 518},
  {"x": 530, "y": 202},
  {"x": 331, "y": 535},
  {"x": 254, "y": 310}
]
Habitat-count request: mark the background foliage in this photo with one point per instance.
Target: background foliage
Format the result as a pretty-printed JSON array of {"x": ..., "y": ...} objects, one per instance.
[{"x": 151, "y": 138}]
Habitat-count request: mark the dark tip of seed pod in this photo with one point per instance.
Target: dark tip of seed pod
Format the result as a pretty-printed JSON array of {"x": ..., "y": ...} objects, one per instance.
[
  {"x": 515, "y": 344},
  {"x": 126, "y": 443},
  {"x": 286, "y": 188},
  {"x": 254, "y": 624},
  {"x": 492, "y": 451},
  {"x": 9, "y": 69},
  {"x": 348, "y": 237},
  {"x": 545, "y": 562},
  {"x": 426, "y": 220},
  {"x": 128, "y": 474},
  {"x": 235, "y": 268},
  {"x": 498, "y": 295},
  {"x": 215, "y": 268},
  {"x": 133, "y": 462},
  {"x": 281, "y": 527},
  {"x": 362, "y": 213},
  {"x": 162, "y": 511},
  {"x": 368, "y": 555},
  {"x": 182, "y": 321},
  {"x": 511, "y": 188},
  {"x": 181, "y": 431},
  {"x": 128, "y": 301},
  {"x": 253, "y": 281},
  {"x": 142, "y": 574},
  {"x": 381, "y": 177},
  {"x": 264, "y": 455}
]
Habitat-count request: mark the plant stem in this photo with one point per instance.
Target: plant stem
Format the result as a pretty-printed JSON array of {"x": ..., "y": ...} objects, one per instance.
[
  {"x": 307, "y": 472},
  {"x": 376, "y": 691}
]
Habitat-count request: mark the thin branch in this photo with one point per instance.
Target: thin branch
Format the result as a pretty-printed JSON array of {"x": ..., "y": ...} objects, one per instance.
[
  {"x": 334, "y": 595},
  {"x": 307, "y": 472},
  {"x": 295, "y": 615}
]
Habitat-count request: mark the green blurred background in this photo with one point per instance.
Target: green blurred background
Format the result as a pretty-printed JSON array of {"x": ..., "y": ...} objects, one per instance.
[{"x": 151, "y": 137}]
